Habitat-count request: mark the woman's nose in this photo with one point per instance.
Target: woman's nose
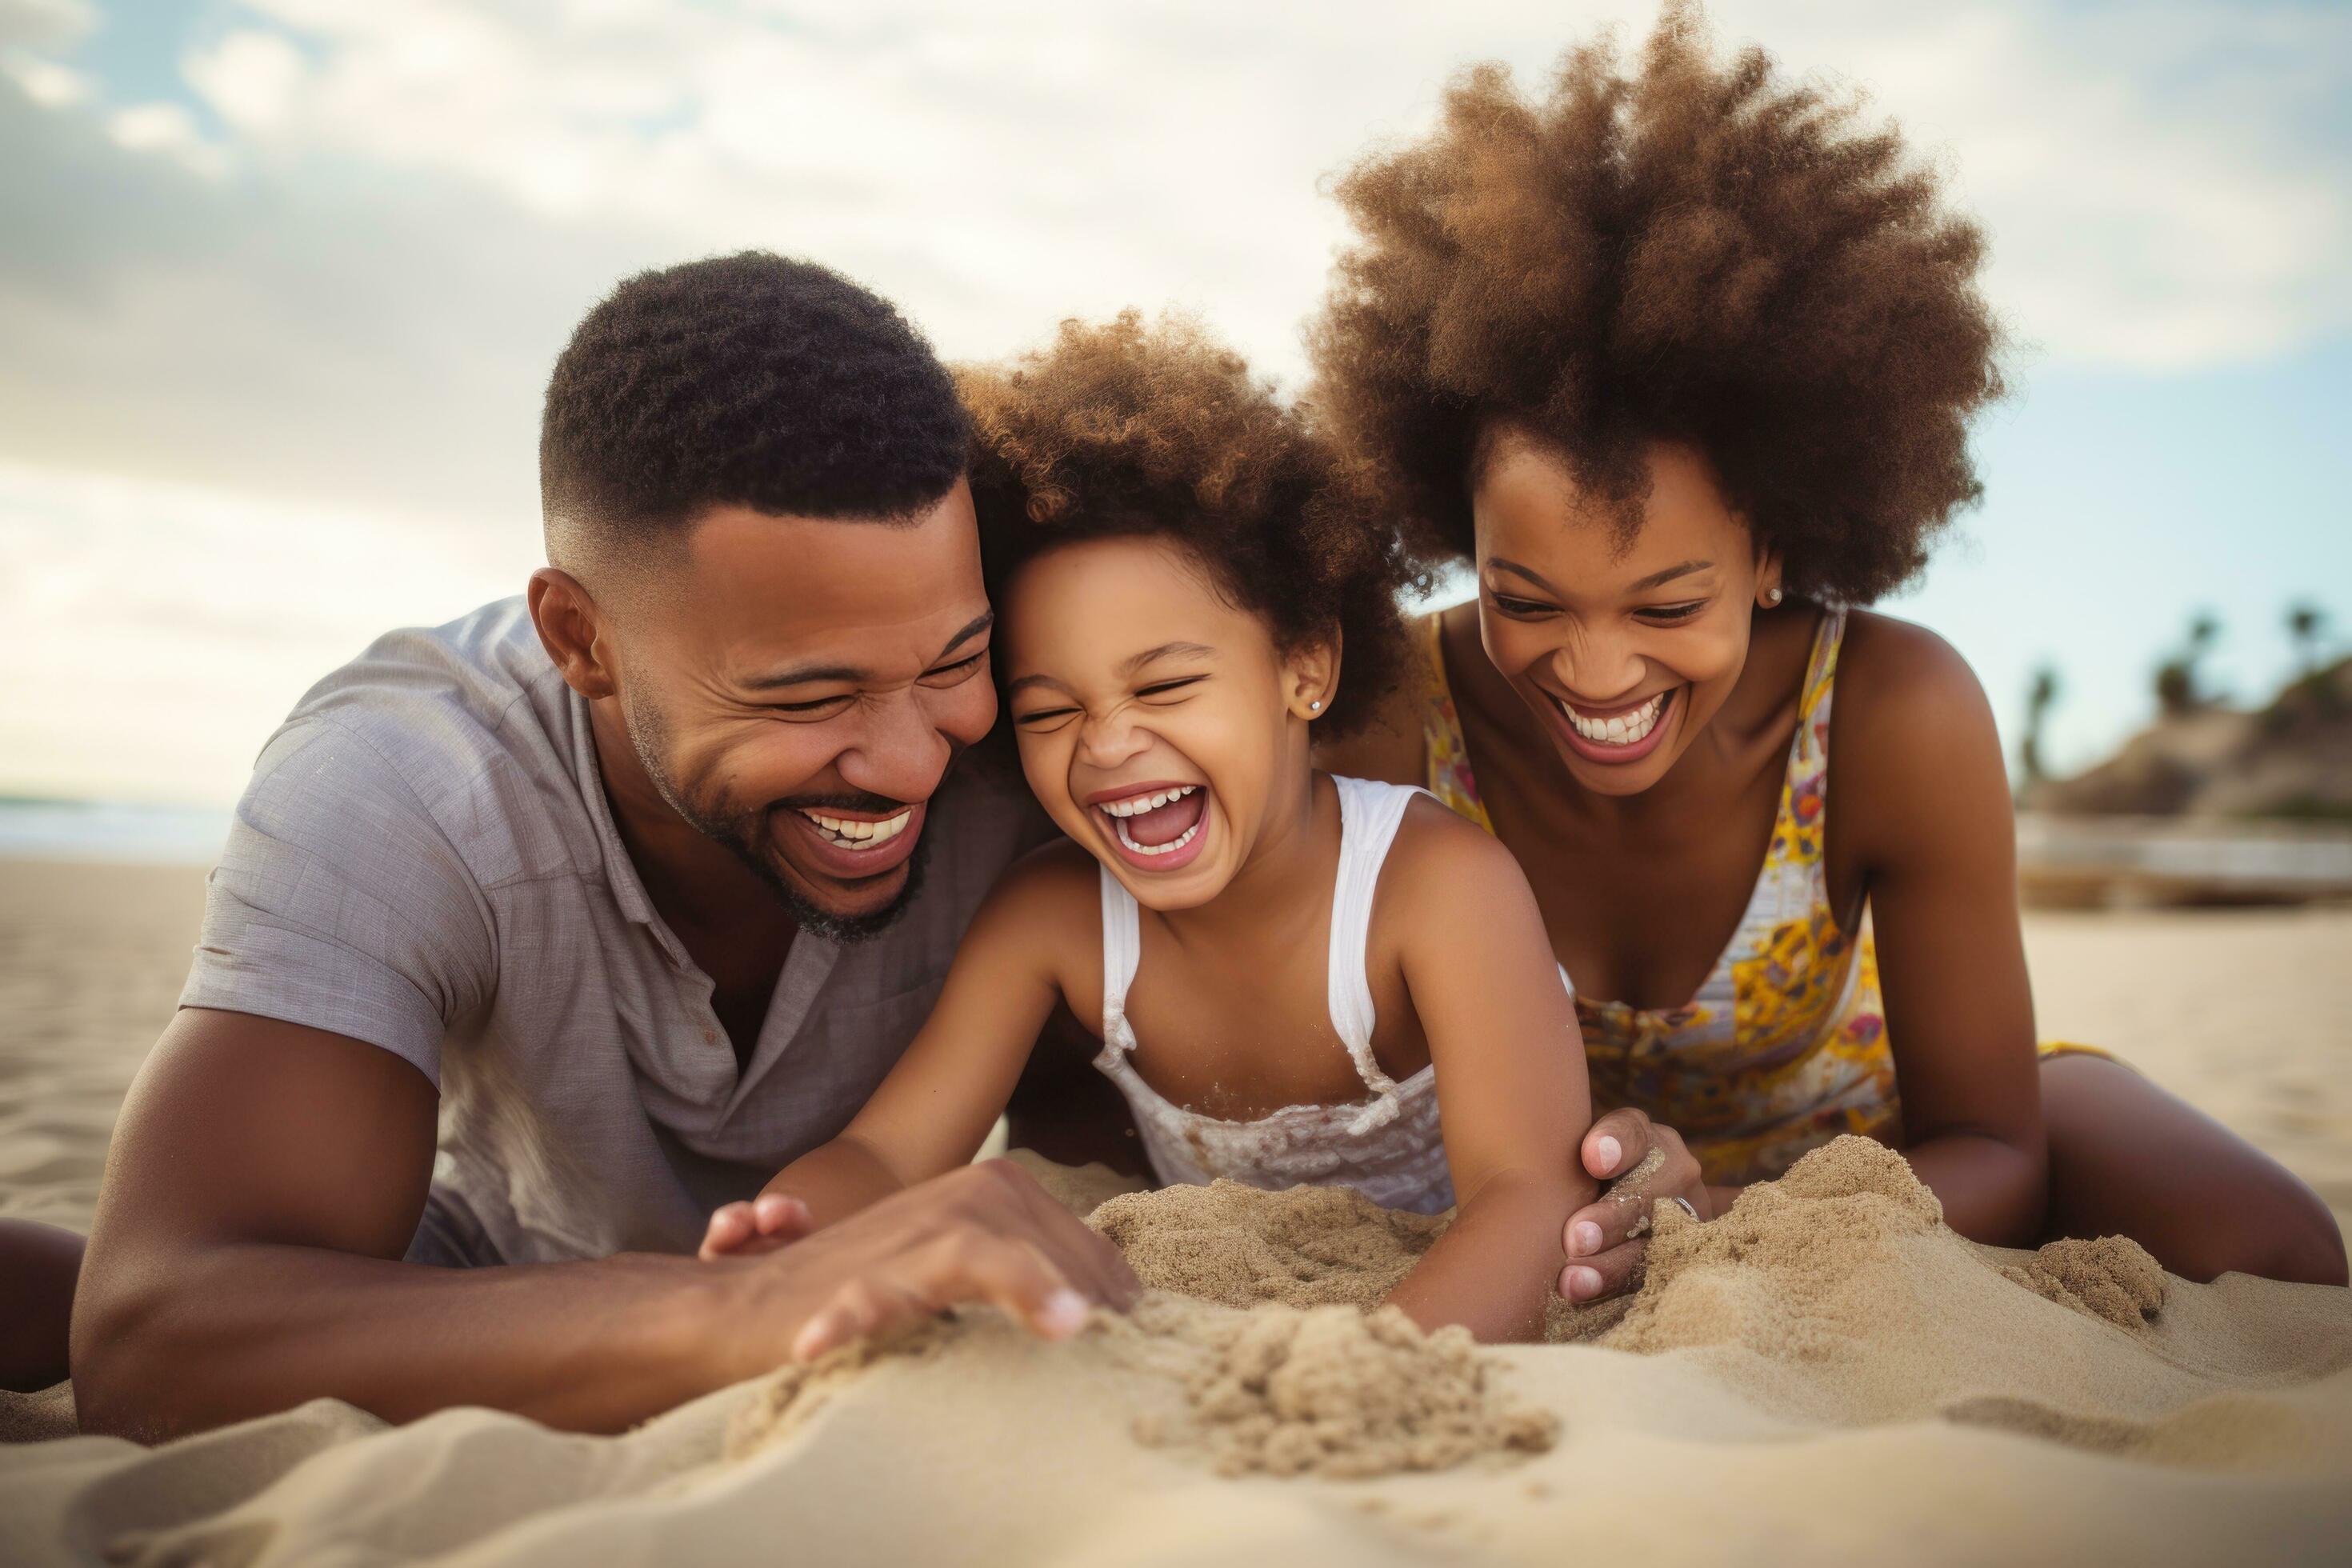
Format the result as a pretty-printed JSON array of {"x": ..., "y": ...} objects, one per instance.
[{"x": 1598, "y": 669}]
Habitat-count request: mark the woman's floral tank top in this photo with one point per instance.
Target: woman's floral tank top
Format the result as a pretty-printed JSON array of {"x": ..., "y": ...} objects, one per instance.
[{"x": 1784, "y": 1047}]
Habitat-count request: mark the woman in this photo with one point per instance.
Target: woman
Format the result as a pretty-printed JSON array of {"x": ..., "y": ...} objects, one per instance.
[{"x": 1681, "y": 360}]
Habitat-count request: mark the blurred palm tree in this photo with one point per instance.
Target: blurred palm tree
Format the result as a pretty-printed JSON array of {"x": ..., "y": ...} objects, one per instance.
[
  {"x": 2038, "y": 703},
  {"x": 2177, "y": 688},
  {"x": 2305, "y": 622}
]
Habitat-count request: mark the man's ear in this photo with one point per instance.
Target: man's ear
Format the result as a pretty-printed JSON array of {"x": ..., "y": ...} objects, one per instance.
[
  {"x": 573, "y": 632},
  {"x": 1310, "y": 677}
]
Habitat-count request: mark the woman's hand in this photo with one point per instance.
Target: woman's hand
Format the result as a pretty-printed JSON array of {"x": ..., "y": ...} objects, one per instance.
[{"x": 1638, "y": 1161}]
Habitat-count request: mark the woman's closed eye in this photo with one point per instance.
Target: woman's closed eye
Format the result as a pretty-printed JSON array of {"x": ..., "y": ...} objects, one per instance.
[
  {"x": 1511, "y": 605},
  {"x": 1669, "y": 615}
]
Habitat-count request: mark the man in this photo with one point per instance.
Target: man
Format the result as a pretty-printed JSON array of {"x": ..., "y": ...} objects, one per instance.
[{"x": 540, "y": 935}]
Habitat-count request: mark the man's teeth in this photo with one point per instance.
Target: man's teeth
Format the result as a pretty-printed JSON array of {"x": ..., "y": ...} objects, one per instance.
[
  {"x": 1137, "y": 806},
  {"x": 850, "y": 834},
  {"x": 1623, "y": 729},
  {"x": 1170, "y": 848}
]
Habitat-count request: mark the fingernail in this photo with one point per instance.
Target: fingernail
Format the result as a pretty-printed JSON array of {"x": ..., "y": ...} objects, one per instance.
[
  {"x": 815, "y": 1339},
  {"x": 1582, "y": 1283},
  {"x": 1063, "y": 1314},
  {"x": 1611, "y": 1151},
  {"x": 1586, "y": 1238}
]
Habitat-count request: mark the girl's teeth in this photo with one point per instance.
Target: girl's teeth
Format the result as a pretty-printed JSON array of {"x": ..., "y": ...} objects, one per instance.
[
  {"x": 1170, "y": 848},
  {"x": 1140, "y": 804},
  {"x": 1623, "y": 729}
]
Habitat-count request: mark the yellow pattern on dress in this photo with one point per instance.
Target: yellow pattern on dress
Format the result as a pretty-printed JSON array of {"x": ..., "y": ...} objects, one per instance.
[{"x": 1784, "y": 1046}]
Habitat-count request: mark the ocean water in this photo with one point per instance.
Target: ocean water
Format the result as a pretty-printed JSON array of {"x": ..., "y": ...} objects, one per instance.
[{"x": 113, "y": 831}]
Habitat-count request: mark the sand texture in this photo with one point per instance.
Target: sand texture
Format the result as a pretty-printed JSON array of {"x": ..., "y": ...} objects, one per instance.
[{"x": 1825, "y": 1373}]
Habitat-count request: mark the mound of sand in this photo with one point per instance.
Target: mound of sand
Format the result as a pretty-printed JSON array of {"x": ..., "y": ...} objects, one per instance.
[{"x": 1826, "y": 1372}]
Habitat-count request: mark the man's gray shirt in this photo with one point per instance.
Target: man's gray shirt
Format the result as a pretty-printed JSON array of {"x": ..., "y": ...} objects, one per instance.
[{"x": 424, "y": 860}]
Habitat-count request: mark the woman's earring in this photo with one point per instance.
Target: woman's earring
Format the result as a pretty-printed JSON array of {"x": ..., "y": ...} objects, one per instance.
[
  {"x": 1772, "y": 598},
  {"x": 1316, "y": 706}
]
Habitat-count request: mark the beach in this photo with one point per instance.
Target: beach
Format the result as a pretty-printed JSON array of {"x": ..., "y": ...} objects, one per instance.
[{"x": 1827, "y": 1372}]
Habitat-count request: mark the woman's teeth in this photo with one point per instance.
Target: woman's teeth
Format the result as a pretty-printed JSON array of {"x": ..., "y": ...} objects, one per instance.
[
  {"x": 1622, "y": 729},
  {"x": 848, "y": 834}
]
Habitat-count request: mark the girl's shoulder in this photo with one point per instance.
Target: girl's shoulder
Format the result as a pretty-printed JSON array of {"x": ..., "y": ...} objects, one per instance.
[
  {"x": 1439, "y": 857},
  {"x": 1049, "y": 895}
]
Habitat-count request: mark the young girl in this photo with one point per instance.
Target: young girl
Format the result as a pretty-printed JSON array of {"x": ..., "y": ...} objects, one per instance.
[{"x": 1286, "y": 965}]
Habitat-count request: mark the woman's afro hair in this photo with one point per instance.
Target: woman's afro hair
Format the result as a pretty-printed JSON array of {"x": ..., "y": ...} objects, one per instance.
[
  {"x": 1129, "y": 428},
  {"x": 1688, "y": 250}
]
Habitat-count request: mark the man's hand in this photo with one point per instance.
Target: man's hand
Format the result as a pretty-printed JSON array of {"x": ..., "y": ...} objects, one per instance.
[
  {"x": 1639, "y": 1162},
  {"x": 984, "y": 1233}
]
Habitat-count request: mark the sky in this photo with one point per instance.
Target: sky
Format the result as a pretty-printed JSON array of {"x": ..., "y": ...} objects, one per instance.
[{"x": 280, "y": 283}]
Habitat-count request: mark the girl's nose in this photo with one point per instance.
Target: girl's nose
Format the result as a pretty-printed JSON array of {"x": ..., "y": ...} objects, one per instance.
[{"x": 1110, "y": 741}]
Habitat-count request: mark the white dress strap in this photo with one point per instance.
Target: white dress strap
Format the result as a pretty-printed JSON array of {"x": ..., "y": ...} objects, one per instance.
[
  {"x": 1370, "y": 815},
  {"x": 1122, "y": 942}
]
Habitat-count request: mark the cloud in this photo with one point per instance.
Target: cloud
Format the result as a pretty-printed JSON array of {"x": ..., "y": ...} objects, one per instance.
[{"x": 321, "y": 266}]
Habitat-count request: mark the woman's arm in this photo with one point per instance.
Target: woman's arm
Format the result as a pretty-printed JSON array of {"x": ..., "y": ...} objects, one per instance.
[
  {"x": 935, "y": 1110},
  {"x": 1510, "y": 1074},
  {"x": 1920, "y": 811}
]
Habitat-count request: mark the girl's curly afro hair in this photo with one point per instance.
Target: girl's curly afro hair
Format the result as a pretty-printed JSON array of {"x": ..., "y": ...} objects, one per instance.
[
  {"x": 1689, "y": 250},
  {"x": 1136, "y": 429}
]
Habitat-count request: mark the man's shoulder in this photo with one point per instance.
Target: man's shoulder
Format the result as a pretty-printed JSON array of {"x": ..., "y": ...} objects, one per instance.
[{"x": 467, "y": 724}]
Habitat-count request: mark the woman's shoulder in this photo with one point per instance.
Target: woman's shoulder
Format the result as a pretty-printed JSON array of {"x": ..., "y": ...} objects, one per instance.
[
  {"x": 1913, "y": 735},
  {"x": 1897, "y": 676},
  {"x": 1388, "y": 745}
]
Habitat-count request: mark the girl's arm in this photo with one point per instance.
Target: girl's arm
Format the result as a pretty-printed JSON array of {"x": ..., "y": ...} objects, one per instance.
[
  {"x": 1917, "y": 782},
  {"x": 1512, "y": 1095},
  {"x": 935, "y": 1110}
]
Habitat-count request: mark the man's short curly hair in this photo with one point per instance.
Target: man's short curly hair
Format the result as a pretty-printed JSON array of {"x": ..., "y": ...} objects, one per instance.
[
  {"x": 1688, "y": 250},
  {"x": 1133, "y": 429},
  {"x": 749, "y": 380}
]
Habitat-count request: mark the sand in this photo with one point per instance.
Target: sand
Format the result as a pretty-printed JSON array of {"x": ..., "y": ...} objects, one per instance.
[{"x": 1825, "y": 1372}]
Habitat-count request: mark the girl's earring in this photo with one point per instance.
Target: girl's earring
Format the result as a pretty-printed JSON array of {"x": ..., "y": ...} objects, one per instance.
[
  {"x": 1772, "y": 598},
  {"x": 1316, "y": 706}
]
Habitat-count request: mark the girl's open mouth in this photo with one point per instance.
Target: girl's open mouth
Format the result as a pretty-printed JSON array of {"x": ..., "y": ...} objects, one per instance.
[
  {"x": 1155, "y": 827},
  {"x": 1616, "y": 735}
]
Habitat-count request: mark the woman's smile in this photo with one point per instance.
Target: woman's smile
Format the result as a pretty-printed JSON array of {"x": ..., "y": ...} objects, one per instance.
[{"x": 1625, "y": 732}]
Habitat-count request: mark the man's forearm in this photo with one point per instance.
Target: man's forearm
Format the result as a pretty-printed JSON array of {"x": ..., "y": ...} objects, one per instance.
[{"x": 222, "y": 1333}]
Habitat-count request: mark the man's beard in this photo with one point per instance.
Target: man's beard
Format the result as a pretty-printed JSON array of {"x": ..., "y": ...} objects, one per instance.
[{"x": 744, "y": 834}]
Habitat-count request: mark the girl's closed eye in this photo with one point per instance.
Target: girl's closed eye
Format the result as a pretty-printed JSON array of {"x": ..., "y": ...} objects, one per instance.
[{"x": 1168, "y": 690}]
